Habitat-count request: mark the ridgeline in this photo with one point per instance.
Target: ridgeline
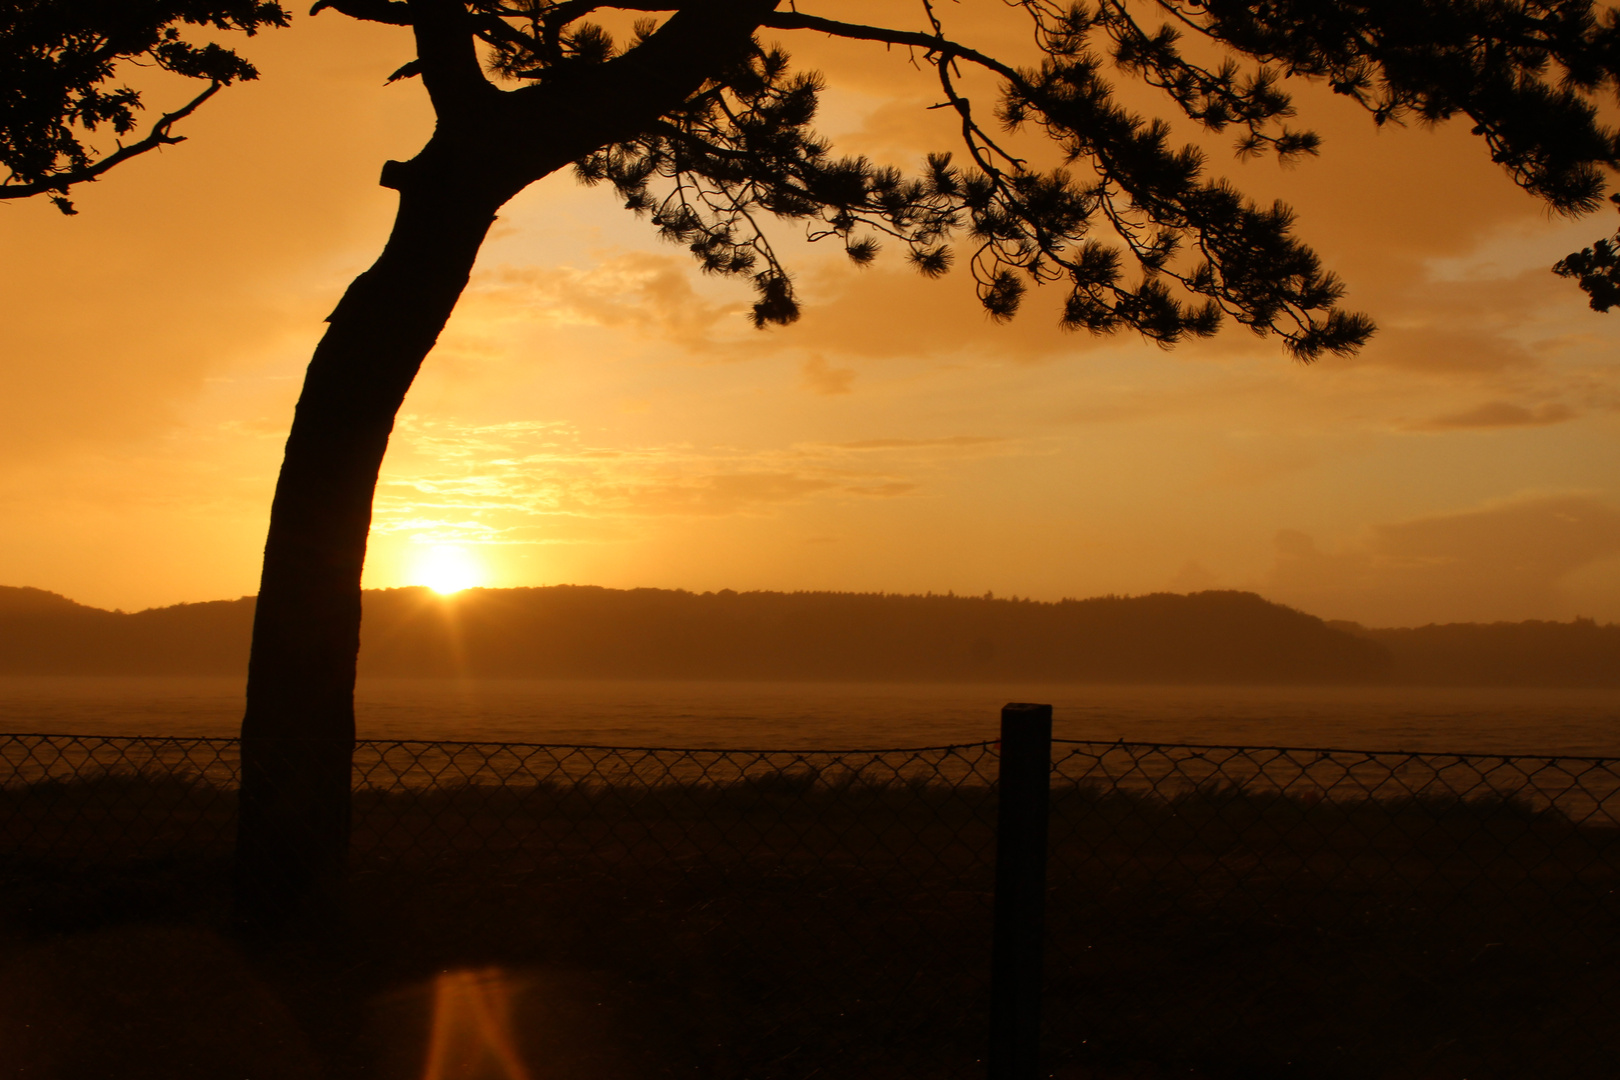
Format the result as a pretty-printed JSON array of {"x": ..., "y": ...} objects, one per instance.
[{"x": 569, "y": 631}]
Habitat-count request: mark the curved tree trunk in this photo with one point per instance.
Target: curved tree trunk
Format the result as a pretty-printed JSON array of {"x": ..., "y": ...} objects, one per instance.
[{"x": 298, "y": 731}]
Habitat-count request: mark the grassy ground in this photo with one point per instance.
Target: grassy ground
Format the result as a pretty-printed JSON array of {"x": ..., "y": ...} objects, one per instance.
[{"x": 792, "y": 927}]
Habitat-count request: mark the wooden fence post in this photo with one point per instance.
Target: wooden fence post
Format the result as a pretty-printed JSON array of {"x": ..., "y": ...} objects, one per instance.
[{"x": 1015, "y": 961}]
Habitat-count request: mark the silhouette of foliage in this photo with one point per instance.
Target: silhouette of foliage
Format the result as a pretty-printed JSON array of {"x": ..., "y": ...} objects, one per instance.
[
  {"x": 1596, "y": 269},
  {"x": 742, "y": 149},
  {"x": 1526, "y": 72},
  {"x": 59, "y": 62}
]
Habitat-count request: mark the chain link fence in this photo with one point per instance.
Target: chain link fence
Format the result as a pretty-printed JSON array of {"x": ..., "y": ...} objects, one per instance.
[
  {"x": 1259, "y": 912},
  {"x": 1210, "y": 911}
]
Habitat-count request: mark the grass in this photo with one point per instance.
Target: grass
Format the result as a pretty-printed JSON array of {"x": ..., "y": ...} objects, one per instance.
[{"x": 816, "y": 923}]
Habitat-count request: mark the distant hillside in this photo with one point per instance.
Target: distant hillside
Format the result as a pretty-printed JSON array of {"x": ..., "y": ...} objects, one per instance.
[
  {"x": 654, "y": 633},
  {"x": 1578, "y": 653},
  {"x": 42, "y": 633},
  {"x": 588, "y": 632}
]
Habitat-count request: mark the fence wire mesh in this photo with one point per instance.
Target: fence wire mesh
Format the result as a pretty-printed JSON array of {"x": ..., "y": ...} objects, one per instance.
[
  {"x": 1211, "y": 912},
  {"x": 1328, "y": 913}
]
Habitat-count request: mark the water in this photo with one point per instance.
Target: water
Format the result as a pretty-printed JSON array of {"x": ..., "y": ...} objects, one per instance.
[{"x": 843, "y": 715}]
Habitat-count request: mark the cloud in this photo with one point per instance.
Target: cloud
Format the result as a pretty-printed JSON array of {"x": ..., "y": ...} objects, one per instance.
[
  {"x": 495, "y": 483},
  {"x": 1193, "y": 577},
  {"x": 901, "y": 130},
  {"x": 1445, "y": 349},
  {"x": 890, "y": 490},
  {"x": 1541, "y": 537},
  {"x": 648, "y": 294},
  {"x": 1499, "y": 414},
  {"x": 822, "y": 378},
  {"x": 888, "y": 311},
  {"x": 949, "y": 442},
  {"x": 717, "y": 493},
  {"x": 880, "y": 313},
  {"x": 1502, "y": 560},
  {"x": 1466, "y": 329}
]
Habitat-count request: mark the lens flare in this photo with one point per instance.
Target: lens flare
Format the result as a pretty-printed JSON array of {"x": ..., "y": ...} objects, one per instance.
[{"x": 472, "y": 1036}]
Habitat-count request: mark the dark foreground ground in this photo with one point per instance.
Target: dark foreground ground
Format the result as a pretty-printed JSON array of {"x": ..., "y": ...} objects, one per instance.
[{"x": 793, "y": 926}]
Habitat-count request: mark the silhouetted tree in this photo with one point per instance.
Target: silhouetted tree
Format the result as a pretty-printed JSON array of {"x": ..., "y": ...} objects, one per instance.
[
  {"x": 707, "y": 132},
  {"x": 56, "y": 59}
]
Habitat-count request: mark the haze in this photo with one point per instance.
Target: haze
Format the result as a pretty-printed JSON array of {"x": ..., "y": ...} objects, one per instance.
[{"x": 599, "y": 413}]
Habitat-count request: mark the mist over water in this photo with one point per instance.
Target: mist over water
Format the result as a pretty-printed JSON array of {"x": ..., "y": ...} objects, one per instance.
[{"x": 851, "y": 715}]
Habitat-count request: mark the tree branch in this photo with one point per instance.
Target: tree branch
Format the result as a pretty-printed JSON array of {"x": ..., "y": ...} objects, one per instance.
[
  {"x": 566, "y": 12},
  {"x": 446, "y": 47},
  {"x": 158, "y": 136},
  {"x": 493, "y": 29},
  {"x": 392, "y": 12},
  {"x": 636, "y": 88},
  {"x": 944, "y": 47}
]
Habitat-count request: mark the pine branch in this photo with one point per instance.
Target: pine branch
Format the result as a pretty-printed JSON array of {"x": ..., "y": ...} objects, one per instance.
[
  {"x": 933, "y": 45},
  {"x": 56, "y": 185},
  {"x": 391, "y": 12}
]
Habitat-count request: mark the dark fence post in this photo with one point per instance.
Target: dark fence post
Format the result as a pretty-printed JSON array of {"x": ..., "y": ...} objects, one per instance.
[{"x": 1015, "y": 959}]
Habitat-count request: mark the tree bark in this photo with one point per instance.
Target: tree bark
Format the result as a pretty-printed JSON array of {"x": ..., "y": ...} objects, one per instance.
[{"x": 298, "y": 731}]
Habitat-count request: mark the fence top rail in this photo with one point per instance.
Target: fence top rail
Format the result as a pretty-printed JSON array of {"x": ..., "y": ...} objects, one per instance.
[
  {"x": 207, "y": 740},
  {"x": 633, "y": 749},
  {"x": 1095, "y": 745},
  {"x": 231, "y": 740},
  {"x": 1236, "y": 748}
]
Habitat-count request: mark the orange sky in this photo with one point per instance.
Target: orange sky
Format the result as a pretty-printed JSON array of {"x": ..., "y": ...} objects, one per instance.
[{"x": 599, "y": 413}]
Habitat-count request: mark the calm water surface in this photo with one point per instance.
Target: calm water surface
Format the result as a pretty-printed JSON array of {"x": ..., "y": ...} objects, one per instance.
[{"x": 845, "y": 715}]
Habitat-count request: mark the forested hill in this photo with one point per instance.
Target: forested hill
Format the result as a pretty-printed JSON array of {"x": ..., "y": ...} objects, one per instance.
[
  {"x": 1577, "y": 653},
  {"x": 588, "y": 632},
  {"x": 1210, "y": 637}
]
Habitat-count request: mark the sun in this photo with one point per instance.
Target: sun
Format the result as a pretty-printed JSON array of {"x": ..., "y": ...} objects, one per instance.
[{"x": 446, "y": 570}]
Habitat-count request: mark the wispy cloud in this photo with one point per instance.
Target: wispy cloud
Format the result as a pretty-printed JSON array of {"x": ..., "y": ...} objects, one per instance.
[
  {"x": 646, "y": 294},
  {"x": 822, "y": 378},
  {"x": 950, "y": 442},
  {"x": 1500, "y": 414},
  {"x": 495, "y": 483}
]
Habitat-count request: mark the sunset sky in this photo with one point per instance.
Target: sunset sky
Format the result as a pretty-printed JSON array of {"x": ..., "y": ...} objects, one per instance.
[{"x": 599, "y": 413}]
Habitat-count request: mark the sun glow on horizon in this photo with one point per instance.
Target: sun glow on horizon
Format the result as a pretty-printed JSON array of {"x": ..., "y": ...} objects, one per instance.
[{"x": 447, "y": 569}]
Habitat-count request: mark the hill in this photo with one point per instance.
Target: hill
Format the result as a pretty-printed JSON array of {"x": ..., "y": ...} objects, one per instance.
[
  {"x": 653, "y": 633},
  {"x": 589, "y": 632},
  {"x": 1532, "y": 653},
  {"x": 42, "y": 633}
]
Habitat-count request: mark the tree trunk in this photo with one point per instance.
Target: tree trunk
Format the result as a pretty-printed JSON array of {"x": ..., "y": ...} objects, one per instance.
[{"x": 298, "y": 731}]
